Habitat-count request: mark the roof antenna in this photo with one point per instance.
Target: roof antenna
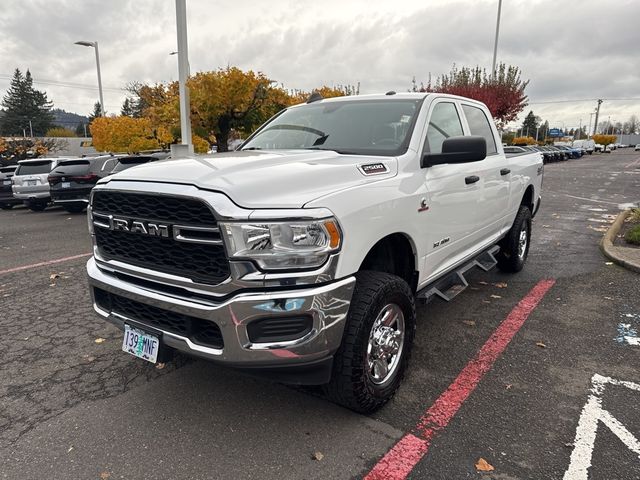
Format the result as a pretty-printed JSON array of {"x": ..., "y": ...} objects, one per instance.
[
  {"x": 314, "y": 97},
  {"x": 390, "y": 92}
]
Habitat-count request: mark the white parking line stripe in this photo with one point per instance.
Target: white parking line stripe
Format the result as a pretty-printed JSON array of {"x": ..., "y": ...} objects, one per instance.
[{"x": 592, "y": 413}]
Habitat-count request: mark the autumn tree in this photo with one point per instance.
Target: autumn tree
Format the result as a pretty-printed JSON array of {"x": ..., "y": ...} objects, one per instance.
[
  {"x": 503, "y": 95},
  {"x": 604, "y": 139},
  {"x": 524, "y": 141},
  {"x": 123, "y": 134},
  {"x": 227, "y": 99},
  {"x": 25, "y": 107}
]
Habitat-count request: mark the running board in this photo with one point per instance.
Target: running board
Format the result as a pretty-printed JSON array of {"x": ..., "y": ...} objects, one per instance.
[{"x": 454, "y": 283}]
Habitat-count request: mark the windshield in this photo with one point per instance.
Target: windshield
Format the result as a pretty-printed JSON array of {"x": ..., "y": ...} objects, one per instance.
[
  {"x": 359, "y": 127},
  {"x": 34, "y": 168}
]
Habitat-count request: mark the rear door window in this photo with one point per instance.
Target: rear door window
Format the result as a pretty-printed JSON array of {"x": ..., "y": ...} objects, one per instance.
[
  {"x": 444, "y": 123},
  {"x": 34, "y": 168},
  {"x": 479, "y": 125}
]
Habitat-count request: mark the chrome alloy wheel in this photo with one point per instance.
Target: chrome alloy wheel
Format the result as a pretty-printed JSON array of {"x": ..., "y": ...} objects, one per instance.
[
  {"x": 386, "y": 340},
  {"x": 522, "y": 241}
]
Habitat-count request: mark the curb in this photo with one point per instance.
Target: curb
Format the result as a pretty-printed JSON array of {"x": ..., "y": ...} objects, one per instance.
[{"x": 611, "y": 252}]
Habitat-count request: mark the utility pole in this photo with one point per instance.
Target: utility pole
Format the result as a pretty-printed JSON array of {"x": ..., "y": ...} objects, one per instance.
[
  {"x": 595, "y": 125},
  {"x": 590, "y": 118},
  {"x": 30, "y": 129},
  {"x": 495, "y": 44},
  {"x": 183, "y": 73}
]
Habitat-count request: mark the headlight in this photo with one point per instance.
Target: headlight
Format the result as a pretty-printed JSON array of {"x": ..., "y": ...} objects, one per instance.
[{"x": 283, "y": 245}]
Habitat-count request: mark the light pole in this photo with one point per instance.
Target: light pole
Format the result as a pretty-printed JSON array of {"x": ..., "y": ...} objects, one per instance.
[
  {"x": 95, "y": 46},
  {"x": 495, "y": 44},
  {"x": 183, "y": 74}
]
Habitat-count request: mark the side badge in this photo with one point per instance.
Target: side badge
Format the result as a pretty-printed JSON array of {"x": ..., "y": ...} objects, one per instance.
[{"x": 373, "y": 168}]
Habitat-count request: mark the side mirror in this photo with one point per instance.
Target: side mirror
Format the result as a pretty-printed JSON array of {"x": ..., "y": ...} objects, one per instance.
[{"x": 471, "y": 148}]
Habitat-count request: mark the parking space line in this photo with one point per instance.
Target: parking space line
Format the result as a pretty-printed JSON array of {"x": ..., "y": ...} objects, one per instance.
[
  {"x": 44, "y": 264},
  {"x": 398, "y": 462},
  {"x": 592, "y": 414}
]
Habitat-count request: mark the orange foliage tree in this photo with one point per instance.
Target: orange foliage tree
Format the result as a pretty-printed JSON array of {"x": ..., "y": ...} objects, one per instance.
[
  {"x": 524, "y": 141},
  {"x": 604, "y": 139},
  {"x": 123, "y": 134}
]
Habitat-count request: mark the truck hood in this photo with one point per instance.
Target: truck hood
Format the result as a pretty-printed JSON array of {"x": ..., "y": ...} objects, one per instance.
[{"x": 267, "y": 179}]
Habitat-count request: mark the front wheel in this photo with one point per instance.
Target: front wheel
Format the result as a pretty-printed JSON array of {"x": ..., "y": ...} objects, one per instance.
[
  {"x": 514, "y": 248},
  {"x": 376, "y": 345}
]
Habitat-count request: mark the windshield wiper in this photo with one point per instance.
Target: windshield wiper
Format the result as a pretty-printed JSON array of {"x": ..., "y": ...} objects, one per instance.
[{"x": 340, "y": 151}]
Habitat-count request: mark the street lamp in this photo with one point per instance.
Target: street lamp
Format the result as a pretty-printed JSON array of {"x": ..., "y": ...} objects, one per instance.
[
  {"x": 495, "y": 44},
  {"x": 95, "y": 46}
]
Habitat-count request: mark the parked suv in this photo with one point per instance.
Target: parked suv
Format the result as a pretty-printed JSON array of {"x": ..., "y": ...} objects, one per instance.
[
  {"x": 7, "y": 200},
  {"x": 72, "y": 180},
  {"x": 30, "y": 183},
  {"x": 134, "y": 160}
]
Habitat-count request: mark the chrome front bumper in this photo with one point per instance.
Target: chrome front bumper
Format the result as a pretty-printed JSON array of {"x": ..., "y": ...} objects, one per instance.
[{"x": 327, "y": 304}]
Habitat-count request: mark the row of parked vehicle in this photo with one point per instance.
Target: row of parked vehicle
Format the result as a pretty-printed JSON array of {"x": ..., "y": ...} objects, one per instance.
[
  {"x": 64, "y": 181},
  {"x": 550, "y": 153}
]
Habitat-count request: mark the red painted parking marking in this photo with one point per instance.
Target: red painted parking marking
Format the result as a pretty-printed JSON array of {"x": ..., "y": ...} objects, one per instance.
[
  {"x": 398, "y": 462},
  {"x": 44, "y": 264}
]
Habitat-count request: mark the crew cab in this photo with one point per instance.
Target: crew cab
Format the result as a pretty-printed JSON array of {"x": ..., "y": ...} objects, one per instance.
[{"x": 302, "y": 255}]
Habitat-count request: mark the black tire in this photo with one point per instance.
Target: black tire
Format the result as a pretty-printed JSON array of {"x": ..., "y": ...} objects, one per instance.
[
  {"x": 511, "y": 257},
  {"x": 352, "y": 384},
  {"x": 37, "y": 207},
  {"x": 75, "y": 208},
  {"x": 6, "y": 206}
]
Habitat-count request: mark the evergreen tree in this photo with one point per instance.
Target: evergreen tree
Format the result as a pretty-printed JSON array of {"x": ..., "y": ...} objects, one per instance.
[
  {"x": 24, "y": 104},
  {"x": 544, "y": 130},
  {"x": 530, "y": 125},
  {"x": 96, "y": 112},
  {"x": 128, "y": 108}
]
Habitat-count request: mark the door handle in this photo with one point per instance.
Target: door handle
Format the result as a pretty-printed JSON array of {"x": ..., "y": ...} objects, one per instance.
[
  {"x": 471, "y": 179},
  {"x": 505, "y": 171}
]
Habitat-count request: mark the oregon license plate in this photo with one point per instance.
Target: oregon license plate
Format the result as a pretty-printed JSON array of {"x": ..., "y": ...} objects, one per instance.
[
  {"x": 140, "y": 344},
  {"x": 32, "y": 183},
  {"x": 66, "y": 184},
  {"x": 6, "y": 182}
]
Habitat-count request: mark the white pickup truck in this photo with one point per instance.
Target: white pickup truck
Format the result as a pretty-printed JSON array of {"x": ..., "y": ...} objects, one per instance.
[{"x": 302, "y": 254}]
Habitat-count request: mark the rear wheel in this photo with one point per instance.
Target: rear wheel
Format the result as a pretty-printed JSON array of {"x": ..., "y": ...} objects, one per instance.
[
  {"x": 376, "y": 344},
  {"x": 514, "y": 248},
  {"x": 6, "y": 206}
]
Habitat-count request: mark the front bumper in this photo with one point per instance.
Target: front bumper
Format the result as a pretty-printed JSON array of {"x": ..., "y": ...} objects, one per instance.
[{"x": 327, "y": 304}]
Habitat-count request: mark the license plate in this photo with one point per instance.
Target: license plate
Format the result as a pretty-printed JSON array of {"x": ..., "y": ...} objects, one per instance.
[
  {"x": 66, "y": 184},
  {"x": 6, "y": 182},
  {"x": 32, "y": 183},
  {"x": 140, "y": 344}
]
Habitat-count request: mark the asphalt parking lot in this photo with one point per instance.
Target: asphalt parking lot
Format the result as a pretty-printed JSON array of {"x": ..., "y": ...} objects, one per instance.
[{"x": 556, "y": 399}]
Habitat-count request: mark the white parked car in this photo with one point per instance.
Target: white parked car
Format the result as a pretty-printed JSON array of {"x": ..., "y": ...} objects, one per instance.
[
  {"x": 30, "y": 182},
  {"x": 637, "y": 148}
]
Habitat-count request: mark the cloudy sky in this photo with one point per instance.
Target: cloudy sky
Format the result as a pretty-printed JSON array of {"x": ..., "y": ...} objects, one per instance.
[{"x": 569, "y": 50}]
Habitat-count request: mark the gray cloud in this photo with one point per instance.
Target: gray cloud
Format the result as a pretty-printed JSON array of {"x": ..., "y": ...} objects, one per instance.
[{"x": 568, "y": 50}]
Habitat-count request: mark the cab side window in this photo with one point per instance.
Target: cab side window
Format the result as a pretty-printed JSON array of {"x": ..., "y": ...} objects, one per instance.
[
  {"x": 479, "y": 125},
  {"x": 444, "y": 123}
]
